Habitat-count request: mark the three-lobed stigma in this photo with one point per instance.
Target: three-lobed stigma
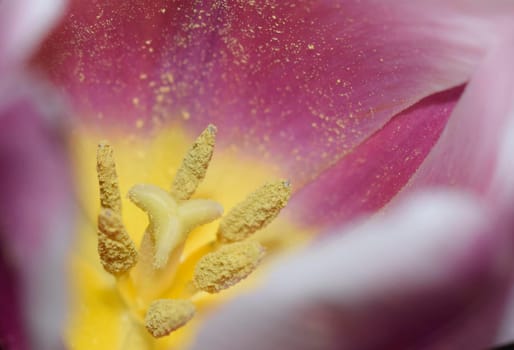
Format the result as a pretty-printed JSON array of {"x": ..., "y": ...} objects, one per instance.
[{"x": 145, "y": 275}]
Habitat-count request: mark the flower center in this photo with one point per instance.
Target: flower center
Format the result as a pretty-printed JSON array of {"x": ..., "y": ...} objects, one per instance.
[{"x": 144, "y": 275}]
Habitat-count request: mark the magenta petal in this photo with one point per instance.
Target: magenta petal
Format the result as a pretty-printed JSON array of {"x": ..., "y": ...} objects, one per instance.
[
  {"x": 12, "y": 330},
  {"x": 431, "y": 274},
  {"x": 367, "y": 179},
  {"x": 303, "y": 82},
  {"x": 23, "y": 25},
  {"x": 35, "y": 216}
]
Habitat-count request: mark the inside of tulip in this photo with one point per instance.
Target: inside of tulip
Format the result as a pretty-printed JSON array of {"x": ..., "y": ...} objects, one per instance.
[{"x": 145, "y": 275}]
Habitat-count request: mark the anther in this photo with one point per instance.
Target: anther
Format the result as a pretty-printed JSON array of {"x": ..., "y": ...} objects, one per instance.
[
  {"x": 227, "y": 266},
  {"x": 107, "y": 178},
  {"x": 166, "y": 315},
  {"x": 194, "y": 166},
  {"x": 255, "y": 212},
  {"x": 117, "y": 251}
]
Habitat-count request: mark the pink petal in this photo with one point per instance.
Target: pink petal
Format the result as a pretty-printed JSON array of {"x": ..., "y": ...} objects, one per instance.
[
  {"x": 367, "y": 179},
  {"x": 467, "y": 153},
  {"x": 303, "y": 82},
  {"x": 23, "y": 25},
  {"x": 35, "y": 215},
  {"x": 475, "y": 150},
  {"x": 432, "y": 274}
]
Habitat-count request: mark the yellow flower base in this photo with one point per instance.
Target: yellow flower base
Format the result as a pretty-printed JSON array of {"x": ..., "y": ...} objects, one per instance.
[{"x": 99, "y": 316}]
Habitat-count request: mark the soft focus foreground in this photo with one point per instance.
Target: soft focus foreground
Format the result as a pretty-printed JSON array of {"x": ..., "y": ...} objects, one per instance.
[
  {"x": 36, "y": 218},
  {"x": 36, "y": 208}
]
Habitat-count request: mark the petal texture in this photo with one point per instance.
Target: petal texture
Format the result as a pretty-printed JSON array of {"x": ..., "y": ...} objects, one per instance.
[
  {"x": 298, "y": 82},
  {"x": 35, "y": 214},
  {"x": 429, "y": 275}
]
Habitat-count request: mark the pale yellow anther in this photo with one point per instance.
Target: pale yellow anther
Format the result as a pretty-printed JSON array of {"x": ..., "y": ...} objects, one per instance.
[
  {"x": 255, "y": 212},
  {"x": 117, "y": 251},
  {"x": 227, "y": 266},
  {"x": 170, "y": 222},
  {"x": 107, "y": 178},
  {"x": 194, "y": 166},
  {"x": 166, "y": 315}
]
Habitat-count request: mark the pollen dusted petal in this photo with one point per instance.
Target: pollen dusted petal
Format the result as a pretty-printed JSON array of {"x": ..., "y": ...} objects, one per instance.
[
  {"x": 117, "y": 251},
  {"x": 255, "y": 212},
  {"x": 107, "y": 178},
  {"x": 227, "y": 266},
  {"x": 166, "y": 315},
  {"x": 194, "y": 166}
]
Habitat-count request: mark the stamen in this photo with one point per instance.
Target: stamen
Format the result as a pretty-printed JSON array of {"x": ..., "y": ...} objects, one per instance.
[
  {"x": 166, "y": 315},
  {"x": 170, "y": 222},
  {"x": 194, "y": 166},
  {"x": 117, "y": 251},
  {"x": 107, "y": 178},
  {"x": 255, "y": 212},
  {"x": 227, "y": 266}
]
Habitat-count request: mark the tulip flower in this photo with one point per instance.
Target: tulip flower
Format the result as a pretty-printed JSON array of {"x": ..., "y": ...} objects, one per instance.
[{"x": 358, "y": 104}]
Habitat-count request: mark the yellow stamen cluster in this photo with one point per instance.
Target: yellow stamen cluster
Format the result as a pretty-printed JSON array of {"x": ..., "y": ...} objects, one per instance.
[{"x": 172, "y": 216}]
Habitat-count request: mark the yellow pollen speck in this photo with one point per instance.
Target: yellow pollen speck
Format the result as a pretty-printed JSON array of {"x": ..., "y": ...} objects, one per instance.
[
  {"x": 140, "y": 123},
  {"x": 107, "y": 178},
  {"x": 168, "y": 77},
  {"x": 194, "y": 166},
  {"x": 310, "y": 46},
  {"x": 186, "y": 115},
  {"x": 135, "y": 101},
  {"x": 117, "y": 251},
  {"x": 227, "y": 266},
  {"x": 166, "y": 315},
  {"x": 255, "y": 212}
]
